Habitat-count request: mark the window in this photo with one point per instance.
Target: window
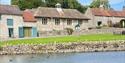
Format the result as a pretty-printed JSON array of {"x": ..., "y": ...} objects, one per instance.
[
  {"x": 80, "y": 22},
  {"x": 69, "y": 22},
  {"x": 10, "y": 22},
  {"x": 57, "y": 21},
  {"x": 44, "y": 21}
]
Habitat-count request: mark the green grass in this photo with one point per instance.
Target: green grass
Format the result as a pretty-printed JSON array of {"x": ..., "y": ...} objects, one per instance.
[{"x": 65, "y": 39}]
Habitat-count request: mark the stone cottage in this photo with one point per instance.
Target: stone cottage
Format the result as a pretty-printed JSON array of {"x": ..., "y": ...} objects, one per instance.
[
  {"x": 10, "y": 21},
  {"x": 49, "y": 19},
  {"x": 105, "y": 17},
  {"x": 12, "y": 24}
]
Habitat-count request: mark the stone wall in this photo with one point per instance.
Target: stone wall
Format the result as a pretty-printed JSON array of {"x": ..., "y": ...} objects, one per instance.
[
  {"x": 86, "y": 46},
  {"x": 95, "y": 19},
  {"x": 52, "y": 33},
  {"x": 63, "y": 24},
  {"x": 99, "y": 31},
  {"x": 17, "y": 22}
]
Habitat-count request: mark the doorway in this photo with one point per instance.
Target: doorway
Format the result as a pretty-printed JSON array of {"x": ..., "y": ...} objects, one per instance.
[
  {"x": 10, "y": 30},
  {"x": 27, "y": 31},
  {"x": 122, "y": 22}
]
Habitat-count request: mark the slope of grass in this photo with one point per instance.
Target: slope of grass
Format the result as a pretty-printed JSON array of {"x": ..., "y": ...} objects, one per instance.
[{"x": 65, "y": 39}]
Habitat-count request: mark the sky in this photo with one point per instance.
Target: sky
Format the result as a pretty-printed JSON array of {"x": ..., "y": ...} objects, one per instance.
[{"x": 116, "y": 4}]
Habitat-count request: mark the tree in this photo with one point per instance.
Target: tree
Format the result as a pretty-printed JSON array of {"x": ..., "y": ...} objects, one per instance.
[
  {"x": 24, "y": 4},
  {"x": 97, "y": 3},
  {"x": 28, "y": 4}
]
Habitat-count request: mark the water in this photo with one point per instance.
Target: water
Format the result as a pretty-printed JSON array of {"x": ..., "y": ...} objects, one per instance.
[{"x": 101, "y": 57}]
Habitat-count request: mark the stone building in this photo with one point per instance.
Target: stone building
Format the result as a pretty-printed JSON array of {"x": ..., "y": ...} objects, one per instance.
[
  {"x": 49, "y": 19},
  {"x": 10, "y": 21},
  {"x": 12, "y": 24},
  {"x": 104, "y": 17}
]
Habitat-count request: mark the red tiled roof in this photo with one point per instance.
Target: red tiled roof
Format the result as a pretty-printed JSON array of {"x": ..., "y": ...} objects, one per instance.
[
  {"x": 109, "y": 13},
  {"x": 28, "y": 16}
]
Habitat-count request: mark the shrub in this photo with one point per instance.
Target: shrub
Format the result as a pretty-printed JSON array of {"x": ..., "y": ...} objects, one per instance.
[
  {"x": 104, "y": 25},
  {"x": 110, "y": 24},
  {"x": 98, "y": 27},
  {"x": 117, "y": 25},
  {"x": 69, "y": 31}
]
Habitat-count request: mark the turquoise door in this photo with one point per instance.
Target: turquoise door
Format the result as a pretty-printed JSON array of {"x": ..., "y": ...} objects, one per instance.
[
  {"x": 21, "y": 32},
  {"x": 34, "y": 32}
]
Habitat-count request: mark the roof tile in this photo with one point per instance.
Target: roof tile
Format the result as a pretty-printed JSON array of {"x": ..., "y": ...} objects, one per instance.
[
  {"x": 10, "y": 9},
  {"x": 109, "y": 13},
  {"x": 53, "y": 12},
  {"x": 28, "y": 16}
]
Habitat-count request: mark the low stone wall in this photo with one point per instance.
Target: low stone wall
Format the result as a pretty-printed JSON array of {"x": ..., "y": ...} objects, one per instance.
[
  {"x": 99, "y": 31},
  {"x": 89, "y": 46},
  {"x": 52, "y": 33}
]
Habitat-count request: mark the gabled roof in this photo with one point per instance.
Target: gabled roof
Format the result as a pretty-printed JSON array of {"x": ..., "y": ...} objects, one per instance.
[
  {"x": 58, "y": 13},
  {"x": 28, "y": 16},
  {"x": 10, "y": 9},
  {"x": 109, "y": 13}
]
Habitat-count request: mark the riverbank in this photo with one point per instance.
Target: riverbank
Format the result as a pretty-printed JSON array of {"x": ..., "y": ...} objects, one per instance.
[{"x": 85, "y": 46}]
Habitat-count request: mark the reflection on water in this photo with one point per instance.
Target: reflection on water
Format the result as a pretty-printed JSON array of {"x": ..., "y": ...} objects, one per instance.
[{"x": 101, "y": 57}]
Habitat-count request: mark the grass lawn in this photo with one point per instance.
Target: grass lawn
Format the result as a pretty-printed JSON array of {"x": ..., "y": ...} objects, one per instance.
[{"x": 99, "y": 37}]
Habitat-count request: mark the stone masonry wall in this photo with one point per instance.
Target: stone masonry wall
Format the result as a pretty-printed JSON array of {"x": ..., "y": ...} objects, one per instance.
[
  {"x": 86, "y": 46},
  {"x": 99, "y": 31}
]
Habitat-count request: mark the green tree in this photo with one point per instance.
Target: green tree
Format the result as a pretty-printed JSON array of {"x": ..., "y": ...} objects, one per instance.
[
  {"x": 97, "y": 3},
  {"x": 24, "y": 4},
  {"x": 73, "y": 4}
]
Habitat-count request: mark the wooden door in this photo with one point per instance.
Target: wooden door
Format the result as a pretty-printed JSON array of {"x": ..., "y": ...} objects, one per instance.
[{"x": 27, "y": 31}]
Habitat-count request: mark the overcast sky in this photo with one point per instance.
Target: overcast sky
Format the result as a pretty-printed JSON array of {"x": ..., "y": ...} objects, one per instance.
[{"x": 116, "y": 4}]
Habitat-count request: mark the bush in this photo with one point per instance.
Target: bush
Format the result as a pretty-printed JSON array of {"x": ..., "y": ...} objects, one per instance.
[
  {"x": 105, "y": 26},
  {"x": 117, "y": 25},
  {"x": 69, "y": 31},
  {"x": 98, "y": 27},
  {"x": 110, "y": 24}
]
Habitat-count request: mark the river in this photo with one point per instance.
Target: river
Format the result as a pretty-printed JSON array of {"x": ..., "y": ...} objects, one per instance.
[{"x": 98, "y": 57}]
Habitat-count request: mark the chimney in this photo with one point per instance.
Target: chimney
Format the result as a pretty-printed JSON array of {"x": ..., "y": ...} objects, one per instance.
[
  {"x": 59, "y": 9},
  {"x": 58, "y": 5}
]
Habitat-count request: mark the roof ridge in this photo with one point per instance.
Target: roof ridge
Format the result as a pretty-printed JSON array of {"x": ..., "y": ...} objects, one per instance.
[
  {"x": 104, "y": 12},
  {"x": 55, "y": 8}
]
